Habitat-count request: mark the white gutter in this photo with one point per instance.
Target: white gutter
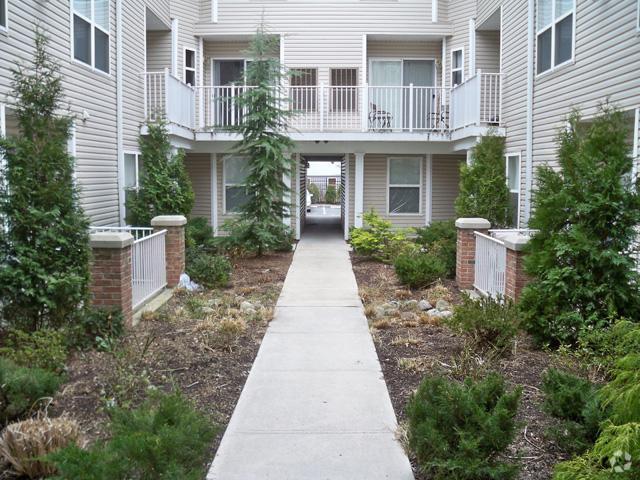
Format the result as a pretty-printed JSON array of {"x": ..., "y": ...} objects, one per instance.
[
  {"x": 529, "y": 132},
  {"x": 119, "y": 120}
]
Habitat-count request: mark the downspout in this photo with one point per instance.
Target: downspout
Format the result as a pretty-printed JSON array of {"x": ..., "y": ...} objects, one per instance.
[
  {"x": 529, "y": 132},
  {"x": 119, "y": 120}
]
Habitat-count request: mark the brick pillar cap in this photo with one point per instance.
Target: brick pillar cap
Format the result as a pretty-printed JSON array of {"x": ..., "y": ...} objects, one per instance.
[
  {"x": 115, "y": 240},
  {"x": 515, "y": 242},
  {"x": 473, "y": 223},
  {"x": 169, "y": 221}
]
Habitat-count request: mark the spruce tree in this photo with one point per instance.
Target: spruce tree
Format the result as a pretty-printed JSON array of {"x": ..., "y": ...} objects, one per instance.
[
  {"x": 259, "y": 227},
  {"x": 587, "y": 212},
  {"x": 44, "y": 245},
  {"x": 483, "y": 184},
  {"x": 165, "y": 187}
]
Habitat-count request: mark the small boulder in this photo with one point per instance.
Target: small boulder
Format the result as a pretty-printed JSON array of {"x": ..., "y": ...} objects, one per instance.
[
  {"x": 409, "y": 317},
  {"x": 446, "y": 314},
  {"x": 442, "y": 305},
  {"x": 423, "y": 305},
  {"x": 410, "y": 304},
  {"x": 379, "y": 312}
]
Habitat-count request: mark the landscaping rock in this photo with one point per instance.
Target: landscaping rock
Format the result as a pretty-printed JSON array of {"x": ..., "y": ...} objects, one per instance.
[
  {"x": 247, "y": 307},
  {"x": 379, "y": 312},
  {"x": 423, "y": 305},
  {"x": 442, "y": 305},
  {"x": 410, "y": 304},
  {"x": 409, "y": 317}
]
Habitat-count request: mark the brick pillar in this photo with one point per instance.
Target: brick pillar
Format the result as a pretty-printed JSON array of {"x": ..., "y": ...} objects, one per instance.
[
  {"x": 466, "y": 249},
  {"x": 174, "y": 245},
  {"x": 516, "y": 278},
  {"x": 111, "y": 272}
]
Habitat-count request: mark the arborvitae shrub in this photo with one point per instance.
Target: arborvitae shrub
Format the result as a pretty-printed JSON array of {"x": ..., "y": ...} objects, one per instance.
[
  {"x": 488, "y": 322},
  {"x": 44, "y": 236},
  {"x": 22, "y": 387},
  {"x": 165, "y": 187},
  {"x": 264, "y": 141},
  {"x": 483, "y": 184},
  {"x": 417, "y": 270},
  {"x": 199, "y": 236},
  {"x": 440, "y": 239},
  {"x": 314, "y": 190},
  {"x": 584, "y": 276},
  {"x": 456, "y": 431},
  {"x": 164, "y": 438},
  {"x": 331, "y": 195},
  {"x": 575, "y": 402}
]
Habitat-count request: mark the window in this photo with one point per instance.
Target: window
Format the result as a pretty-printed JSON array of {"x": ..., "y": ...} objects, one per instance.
[
  {"x": 91, "y": 33},
  {"x": 457, "y": 67},
  {"x": 235, "y": 172},
  {"x": 4, "y": 13},
  {"x": 190, "y": 67},
  {"x": 513, "y": 182},
  {"x": 304, "y": 92},
  {"x": 132, "y": 171},
  {"x": 344, "y": 95},
  {"x": 404, "y": 178},
  {"x": 554, "y": 24}
]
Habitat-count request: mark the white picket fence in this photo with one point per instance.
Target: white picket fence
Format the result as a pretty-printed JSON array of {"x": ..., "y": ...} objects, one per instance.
[
  {"x": 148, "y": 261},
  {"x": 490, "y": 265}
]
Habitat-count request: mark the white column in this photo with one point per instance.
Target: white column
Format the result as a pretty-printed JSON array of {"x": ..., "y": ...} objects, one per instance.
[
  {"x": 472, "y": 47},
  {"x": 444, "y": 62},
  {"x": 434, "y": 11},
  {"x": 298, "y": 192},
  {"x": 345, "y": 189},
  {"x": 286, "y": 198},
  {"x": 200, "y": 90},
  {"x": 175, "y": 26},
  {"x": 119, "y": 114},
  {"x": 214, "y": 193},
  {"x": 636, "y": 144},
  {"x": 363, "y": 74},
  {"x": 359, "y": 191},
  {"x": 428, "y": 192},
  {"x": 214, "y": 11}
]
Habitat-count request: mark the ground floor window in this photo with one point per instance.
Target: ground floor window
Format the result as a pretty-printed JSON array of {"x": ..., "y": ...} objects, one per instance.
[
  {"x": 513, "y": 182},
  {"x": 132, "y": 171},
  {"x": 235, "y": 172},
  {"x": 3, "y": 14},
  {"x": 404, "y": 185}
]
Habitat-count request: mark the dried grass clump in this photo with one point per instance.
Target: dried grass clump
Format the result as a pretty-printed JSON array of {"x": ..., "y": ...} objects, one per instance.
[
  {"x": 409, "y": 339},
  {"x": 24, "y": 444},
  {"x": 415, "y": 364},
  {"x": 438, "y": 292},
  {"x": 403, "y": 294},
  {"x": 223, "y": 334},
  {"x": 382, "y": 324}
]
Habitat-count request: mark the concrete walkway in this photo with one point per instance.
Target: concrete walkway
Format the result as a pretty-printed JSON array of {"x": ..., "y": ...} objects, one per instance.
[{"x": 315, "y": 405}]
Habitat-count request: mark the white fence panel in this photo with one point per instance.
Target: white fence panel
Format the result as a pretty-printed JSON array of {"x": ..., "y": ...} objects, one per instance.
[
  {"x": 465, "y": 103},
  {"x": 490, "y": 266},
  {"x": 148, "y": 265},
  {"x": 490, "y": 98}
]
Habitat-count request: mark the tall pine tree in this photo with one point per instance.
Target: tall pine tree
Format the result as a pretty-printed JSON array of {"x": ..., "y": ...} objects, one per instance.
[
  {"x": 587, "y": 213},
  {"x": 259, "y": 227},
  {"x": 44, "y": 245}
]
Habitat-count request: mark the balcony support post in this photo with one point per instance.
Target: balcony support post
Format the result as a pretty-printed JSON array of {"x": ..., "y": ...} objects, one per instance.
[
  {"x": 321, "y": 106},
  {"x": 411, "y": 107},
  {"x": 364, "y": 111},
  {"x": 359, "y": 191}
]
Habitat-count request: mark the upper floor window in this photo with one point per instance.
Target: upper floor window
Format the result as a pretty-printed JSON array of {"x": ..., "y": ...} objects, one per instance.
[
  {"x": 4, "y": 7},
  {"x": 344, "y": 95},
  {"x": 303, "y": 94},
  {"x": 91, "y": 33},
  {"x": 457, "y": 67},
  {"x": 554, "y": 26},
  {"x": 190, "y": 67}
]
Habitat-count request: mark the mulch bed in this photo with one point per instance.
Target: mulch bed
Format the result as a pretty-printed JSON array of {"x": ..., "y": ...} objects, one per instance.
[
  {"x": 434, "y": 349},
  {"x": 166, "y": 351}
]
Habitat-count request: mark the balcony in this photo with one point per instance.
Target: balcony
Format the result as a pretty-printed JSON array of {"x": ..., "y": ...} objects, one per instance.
[{"x": 319, "y": 109}]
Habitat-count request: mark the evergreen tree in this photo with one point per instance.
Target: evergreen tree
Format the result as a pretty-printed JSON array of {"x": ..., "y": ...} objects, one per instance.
[
  {"x": 165, "y": 187},
  {"x": 44, "y": 245},
  {"x": 483, "y": 184},
  {"x": 586, "y": 213},
  {"x": 259, "y": 227}
]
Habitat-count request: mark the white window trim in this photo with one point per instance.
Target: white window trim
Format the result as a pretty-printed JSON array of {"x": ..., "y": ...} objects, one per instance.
[
  {"x": 552, "y": 26},
  {"x": 419, "y": 185},
  {"x": 637, "y": 18},
  {"x": 191, "y": 69},
  {"x": 93, "y": 25},
  {"x": 214, "y": 11},
  {"x": 137, "y": 154},
  {"x": 453, "y": 50},
  {"x": 4, "y": 28},
  {"x": 402, "y": 60},
  {"x": 225, "y": 184},
  {"x": 519, "y": 190}
]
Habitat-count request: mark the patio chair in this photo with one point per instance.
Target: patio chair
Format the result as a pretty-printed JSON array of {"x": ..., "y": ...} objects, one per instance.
[{"x": 379, "y": 120}]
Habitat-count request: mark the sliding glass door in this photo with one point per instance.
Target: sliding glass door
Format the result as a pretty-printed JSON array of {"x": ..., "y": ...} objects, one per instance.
[{"x": 228, "y": 80}]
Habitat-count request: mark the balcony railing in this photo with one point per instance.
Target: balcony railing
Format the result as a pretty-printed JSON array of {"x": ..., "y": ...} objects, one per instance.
[{"x": 364, "y": 108}]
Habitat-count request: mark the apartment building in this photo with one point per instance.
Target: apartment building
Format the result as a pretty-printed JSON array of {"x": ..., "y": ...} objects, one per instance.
[{"x": 398, "y": 91}]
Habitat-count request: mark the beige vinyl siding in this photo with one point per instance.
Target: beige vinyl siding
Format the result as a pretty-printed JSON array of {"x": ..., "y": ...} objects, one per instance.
[
  {"x": 445, "y": 181},
  {"x": 488, "y": 51},
  {"x": 486, "y": 8},
  {"x": 460, "y": 12},
  {"x": 217, "y": 50},
  {"x": 133, "y": 51},
  {"x": 187, "y": 13},
  {"x": 199, "y": 169},
  {"x": 412, "y": 50},
  {"x": 376, "y": 190},
  {"x": 158, "y": 51},
  {"x": 162, "y": 9},
  {"x": 85, "y": 91}
]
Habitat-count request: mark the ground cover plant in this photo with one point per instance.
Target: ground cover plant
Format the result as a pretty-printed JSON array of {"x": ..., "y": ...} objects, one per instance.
[
  {"x": 439, "y": 238},
  {"x": 417, "y": 270}
]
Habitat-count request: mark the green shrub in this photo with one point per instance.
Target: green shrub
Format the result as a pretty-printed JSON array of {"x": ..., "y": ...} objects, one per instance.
[
  {"x": 46, "y": 349},
  {"x": 483, "y": 184},
  {"x": 622, "y": 393},
  {"x": 331, "y": 195},
  {"x": 440, "y": 239},
  {"x": 96, "y": 326},
  {"x": 575, "y": 402},
  {"x": 166, "y": 438},
  {"x": 419, "y": 270},
  {"x": 603, "y": 347},
  {"x": 211, "y": 271},
  {"x": 584, "y": 277},
  {"x": 44, "y": 242},
  {"x": 378, "y": 239},
  {"x": 314, "y": 190},
  {"x": 487, "y": 321},
  {"x": 457, "y": 430},
  {"x": 22, "y": 387},
  {"x": 199, "y": 236}
]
